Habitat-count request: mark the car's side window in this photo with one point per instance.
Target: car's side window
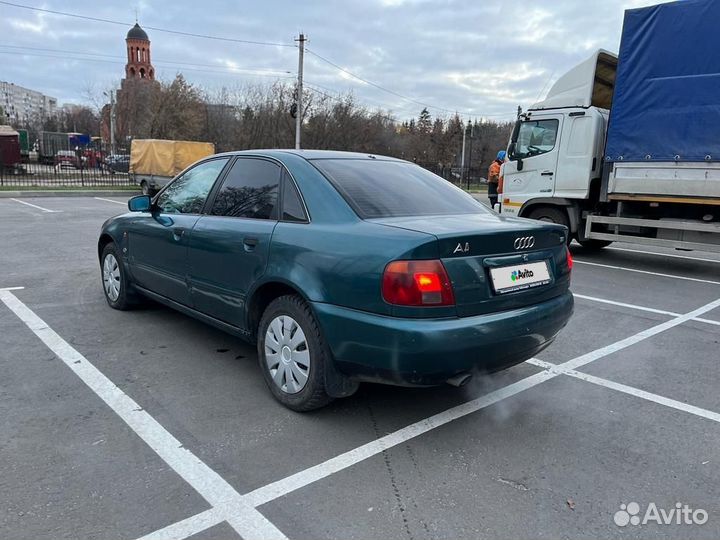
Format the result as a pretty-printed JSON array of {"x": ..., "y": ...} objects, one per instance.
[
  {"x": 250, "y": 190},
  {"x": 293, "y": 209},
  {"x": 187, "y": 193}
]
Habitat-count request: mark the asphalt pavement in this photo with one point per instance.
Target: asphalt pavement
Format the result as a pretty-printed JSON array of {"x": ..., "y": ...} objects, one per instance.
[{"x": 126, "y": 424}]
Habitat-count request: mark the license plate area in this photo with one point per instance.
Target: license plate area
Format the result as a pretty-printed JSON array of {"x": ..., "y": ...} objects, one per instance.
[{"x": 519, "y": 277}]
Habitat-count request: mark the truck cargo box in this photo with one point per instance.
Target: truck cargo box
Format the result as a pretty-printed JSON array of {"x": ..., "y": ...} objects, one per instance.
[
  {"x": 165, "y": 158},
  {"x": 666, "y": 105},
  {"x": 24, "y": 143},
  {"x": 9, "y": 147}
]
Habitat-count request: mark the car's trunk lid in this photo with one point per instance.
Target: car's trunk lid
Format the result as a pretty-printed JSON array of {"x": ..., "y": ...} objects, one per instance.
[{"x": 471, "y": 245}]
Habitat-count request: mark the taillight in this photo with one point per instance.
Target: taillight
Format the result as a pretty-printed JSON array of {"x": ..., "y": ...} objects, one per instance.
[
  {"x": 417, "y": 283},
  {"x": 569, "y": 258}
]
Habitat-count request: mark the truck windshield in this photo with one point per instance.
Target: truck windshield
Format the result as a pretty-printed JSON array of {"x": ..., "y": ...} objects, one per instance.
[{"x": 535, "y": 137}]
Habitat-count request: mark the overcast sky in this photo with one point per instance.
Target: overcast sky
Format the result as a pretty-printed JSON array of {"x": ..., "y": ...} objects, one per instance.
[{"x": 478, "y": 57}]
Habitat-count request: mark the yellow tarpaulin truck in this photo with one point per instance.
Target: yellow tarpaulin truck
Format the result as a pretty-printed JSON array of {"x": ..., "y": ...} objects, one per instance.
[{"x": 154, "y": 162}]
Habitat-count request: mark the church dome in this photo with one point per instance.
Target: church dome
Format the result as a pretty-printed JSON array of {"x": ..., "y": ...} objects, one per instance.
[{"x": 137, "y": 33}]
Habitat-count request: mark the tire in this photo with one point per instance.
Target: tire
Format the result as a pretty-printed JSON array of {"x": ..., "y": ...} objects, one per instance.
[
  {"x": 116, "y": 285},
  {"x": 552, "y": 215},
  {"x": 280, "y": 354},
  {"x": 145, "y": 188},
  {"x": 594, "y": 245}
]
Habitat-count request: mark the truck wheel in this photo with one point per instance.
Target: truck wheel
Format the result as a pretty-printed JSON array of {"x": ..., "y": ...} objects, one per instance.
[
  {"x": 293, "y": 354},
  {"x": 552, "y": 215},
  {"x": 593, "y": 244},
  {"x": 145, "y": 188}
]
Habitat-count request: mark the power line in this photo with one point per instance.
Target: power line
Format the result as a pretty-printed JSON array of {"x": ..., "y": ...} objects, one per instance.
[
  {"x": 153, "y": 28},
  {"x": 375, "y": 85},
  {"x": 341, "y": 100},
  {"x": 412, "y": 100},
  {"x": 220, "y": 71},
  {"x": 373, "y": 102},
  {"x": 156, "y": 62}
]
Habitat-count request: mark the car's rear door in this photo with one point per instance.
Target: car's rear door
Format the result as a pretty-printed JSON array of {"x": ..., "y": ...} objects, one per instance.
[
  {"x": 158, "y": 240},
  {"x": 229, "y": 246}
]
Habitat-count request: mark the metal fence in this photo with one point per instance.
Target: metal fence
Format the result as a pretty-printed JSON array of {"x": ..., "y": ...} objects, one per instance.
[
  {"x": 87, "y": 167},
  {"x": 98, "y": 167},
  {"x": 466, "y": 178}
]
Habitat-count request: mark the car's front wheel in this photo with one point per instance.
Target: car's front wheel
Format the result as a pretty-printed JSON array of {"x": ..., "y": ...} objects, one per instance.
[
  {"x": 293, "y": 354},
  {"x": 115, "y": 283}
]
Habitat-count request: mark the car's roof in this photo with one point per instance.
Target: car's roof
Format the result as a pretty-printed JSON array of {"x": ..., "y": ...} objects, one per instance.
[{"x": 309, "y": 154}]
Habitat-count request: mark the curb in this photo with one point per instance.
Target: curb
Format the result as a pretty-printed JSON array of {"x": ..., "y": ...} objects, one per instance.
[{"x": 69, "y": 193}]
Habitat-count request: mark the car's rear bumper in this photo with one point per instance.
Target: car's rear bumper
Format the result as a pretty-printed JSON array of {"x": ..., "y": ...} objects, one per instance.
[{"x": 423, "y": 352}]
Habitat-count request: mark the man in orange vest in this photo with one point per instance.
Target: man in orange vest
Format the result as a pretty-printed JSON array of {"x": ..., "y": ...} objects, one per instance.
[{"x": 494, "y": 177}]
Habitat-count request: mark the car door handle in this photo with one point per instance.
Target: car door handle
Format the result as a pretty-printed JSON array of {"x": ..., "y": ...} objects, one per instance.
[
  {"x": 546, "y": 173},
  {"x": 178, "y": 233},
  {"x": 250, "y": 243}
]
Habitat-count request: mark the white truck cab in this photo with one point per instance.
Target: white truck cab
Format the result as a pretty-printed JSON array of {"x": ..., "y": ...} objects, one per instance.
[{"x": 556, "y": 150}]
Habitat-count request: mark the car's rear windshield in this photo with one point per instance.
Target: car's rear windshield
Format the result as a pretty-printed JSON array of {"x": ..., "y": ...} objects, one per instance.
[{"x": 378, "y": 188}]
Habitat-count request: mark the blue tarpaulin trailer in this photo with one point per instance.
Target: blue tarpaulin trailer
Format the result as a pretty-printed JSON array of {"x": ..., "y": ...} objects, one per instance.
[
  {"x": 80, "y": 140},
  {"x": 666, "y": 105}
]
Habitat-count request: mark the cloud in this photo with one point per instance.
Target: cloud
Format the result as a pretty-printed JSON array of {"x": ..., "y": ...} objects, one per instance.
[{"x": 477, "y": 58}]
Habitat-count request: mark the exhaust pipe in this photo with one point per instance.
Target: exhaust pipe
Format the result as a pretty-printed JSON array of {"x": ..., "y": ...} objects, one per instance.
[{"x": 459, "y": 380}]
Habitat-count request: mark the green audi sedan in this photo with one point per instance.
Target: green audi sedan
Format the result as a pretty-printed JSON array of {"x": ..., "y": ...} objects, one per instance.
[{"x": 343, "y": 268}]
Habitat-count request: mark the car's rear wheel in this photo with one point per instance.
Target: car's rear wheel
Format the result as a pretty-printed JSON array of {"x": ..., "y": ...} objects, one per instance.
[
  {"x": 293, "y": 354},
  {"x": 115, "y": 283},
  {"x": 145, "y": 187}
]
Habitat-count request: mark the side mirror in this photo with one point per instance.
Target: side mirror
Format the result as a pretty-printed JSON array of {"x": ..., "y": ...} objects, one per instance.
[
  {"x": 519, "y": 164},
  {"x": 140, "y": 203}
]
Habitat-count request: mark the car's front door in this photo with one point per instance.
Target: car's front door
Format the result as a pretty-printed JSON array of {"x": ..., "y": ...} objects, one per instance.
[
  {"x": 229, "y": 246},
  {"x": 158, "y": 240}
]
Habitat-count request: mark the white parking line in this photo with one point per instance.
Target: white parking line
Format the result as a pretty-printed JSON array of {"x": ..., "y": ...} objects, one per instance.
[
  {"x": 240, "y": 511},
  {"x": 110, "y": 200},
  {"x": 188, "y": 527},
  {"x": 308, "y": 476},
  {"x": 36, "y": 206},
  {"x": 245, "y": 519},
  {"x": 313, "y": 474},
  {"x": 640, "y": 336},
  {"x": 12, "y": 289},
  {"x": 641, "y": 308},
  {"x": 671, "y": 255},
  {"x": 673, "y": 276},
  {"x": 649, "y": 396}
]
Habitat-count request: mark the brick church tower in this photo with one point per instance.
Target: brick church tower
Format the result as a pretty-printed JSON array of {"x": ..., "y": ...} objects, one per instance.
[
  {"x": 137, "y": 92},
  {"x": 138, "y": 53}
]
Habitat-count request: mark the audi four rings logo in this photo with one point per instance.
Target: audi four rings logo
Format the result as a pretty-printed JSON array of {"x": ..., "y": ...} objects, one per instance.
[{"x": 524, "y": 242}]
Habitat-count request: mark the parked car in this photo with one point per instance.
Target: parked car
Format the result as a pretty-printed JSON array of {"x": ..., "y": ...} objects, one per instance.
[
  {"x": 118, "y": 163},
  {"x": 66, "y": 159},
  {"x": 343, "y": 268}
]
